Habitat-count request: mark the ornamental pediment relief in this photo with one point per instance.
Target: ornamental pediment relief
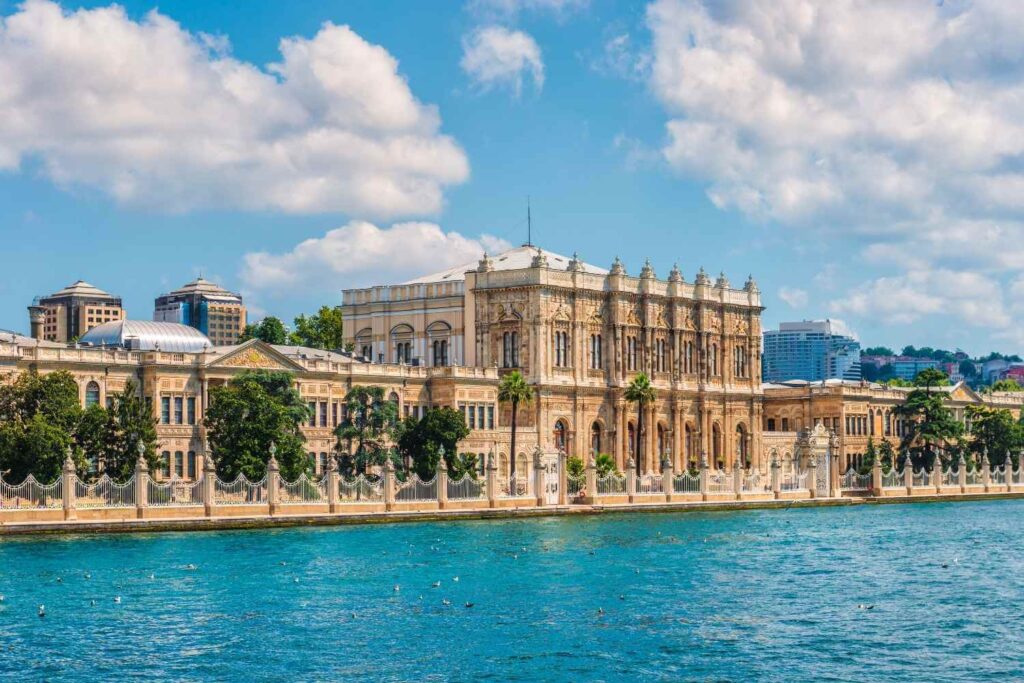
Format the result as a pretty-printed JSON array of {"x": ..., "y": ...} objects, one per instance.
[
  {"x": 562, "y": 314},
  {"x": 633, "y": 317},
  {"x": 256, "y": 356},
  {"x": 508, "y": 311}
]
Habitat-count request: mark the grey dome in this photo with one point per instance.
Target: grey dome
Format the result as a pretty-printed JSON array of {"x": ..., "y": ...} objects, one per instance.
[{"x": 147, "y": 335}]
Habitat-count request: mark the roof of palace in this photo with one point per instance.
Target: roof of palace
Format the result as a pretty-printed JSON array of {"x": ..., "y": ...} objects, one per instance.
[
  {"x": 81, "y": 288},
  {"x": 150, "y": 336},
  {"x": 9, "y": 337},
  {"x": 513, "y": 259}
]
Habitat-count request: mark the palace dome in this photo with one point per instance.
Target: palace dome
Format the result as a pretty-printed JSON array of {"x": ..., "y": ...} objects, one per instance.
[{"x": 147, "y": 335}]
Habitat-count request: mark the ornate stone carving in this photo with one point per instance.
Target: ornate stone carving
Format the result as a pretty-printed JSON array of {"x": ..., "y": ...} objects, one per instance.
[{"x": 250, "y": 358}]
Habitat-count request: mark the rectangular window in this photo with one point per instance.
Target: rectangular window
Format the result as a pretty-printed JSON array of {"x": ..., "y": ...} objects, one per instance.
[
  {"x": 480, "y": 416},
  {"x": 785, "y": 424},
  {"x": 178, "y": 410},
  {"x": 771, "y": 424},
  {"x": 472, "y": 417},
  {"x": 192, "y": 465},
  {"x": 165, "y": 410},
  {"x": 334, "y": 414},
  {"x": 490, "y": 417},
  {"x": 191, "y": 406},
  {"x": 323, "y": 413},
  {"x": 165, "y": 463},
  {"x": 312, "y": 413},
  {"x": 179, "y": 464}
]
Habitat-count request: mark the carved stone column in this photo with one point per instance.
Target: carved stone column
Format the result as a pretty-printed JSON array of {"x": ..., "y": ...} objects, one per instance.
[
  {"x": 141, "y": 482},
  {"x": 68, "y": 478}
]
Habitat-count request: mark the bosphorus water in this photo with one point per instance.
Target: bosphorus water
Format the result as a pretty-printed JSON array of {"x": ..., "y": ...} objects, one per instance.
[{"x": 878, "y": 592}]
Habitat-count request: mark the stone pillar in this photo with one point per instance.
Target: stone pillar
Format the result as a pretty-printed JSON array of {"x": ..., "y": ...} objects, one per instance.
[
  {"x": 631, "y": 479},
  {"x": 908, "y": 474},
  {"x": 961, "y": 475},
  {"x": 834, "y": 478},
  {"x": 563, "y": 475},
  {"x": 737, "y": 479},
  {"x": 141, "y": 482},
  {"x": 273, "y": 481},
  {"x": 492, "y": 481},
  {"x": 705, "y": 476},
  {"x": 389, "y": 485},
  {"x": 591, "y": 481},
  {"x": 209, "y": 487},
  {"x": 538, "y": 477},
  {"x": 876, "y": 477},
  {"x": 68, "y": 478},
  {"x": 333, "y": 503},
  {"x": 936, "y": 478},
  {"x": 668, "y": 473},
  {"x": 442, "y": 482},
  {"x": 1008, "y": 469},
  {"x": 986, "y": 471},
  {"x": 812, "y": 477},
  {"x": 776, "y": 477}
]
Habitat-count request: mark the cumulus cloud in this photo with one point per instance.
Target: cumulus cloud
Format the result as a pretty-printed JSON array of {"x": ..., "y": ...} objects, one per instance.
[
  {"x": 794, "y": 296},
  {"x": 495, "y": 56},
  {"x": 363, "y": 254},
  {"x": 898, "y": 124},
  {"x": 152, "y": 114},
  {"x": 971, "y": 297},
  {"x": 508, "y": 9}
]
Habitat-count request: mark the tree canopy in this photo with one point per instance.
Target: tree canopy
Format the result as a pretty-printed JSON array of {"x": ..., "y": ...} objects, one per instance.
[
  {"x": 323, "y": 330},
  {"x": 367, "y": 432},
  {"x": 1010, "y": 385},
  {"x": 993, "y": 431},
  {"x": 111, "y": 435},
  {"x": 270, "y": 330},
  {"x": 514, "y": 390},
  {"x": 246, "y": 415},
  {"x": 930, "y": 424},
  {"x": 421, "y": 441},
  {"x": 931, "y": 377}
]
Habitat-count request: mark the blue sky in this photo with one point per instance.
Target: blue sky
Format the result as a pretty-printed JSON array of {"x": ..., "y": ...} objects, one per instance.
[{"x": 863, "y": 165}]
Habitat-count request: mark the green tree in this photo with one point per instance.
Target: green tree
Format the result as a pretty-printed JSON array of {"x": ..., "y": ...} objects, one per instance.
[
  {"x": 324, "y": 330},
  {"x": 931, "y": 377},
  {"x": 245, "y": 417},
  {"x": 605, "y": 465},
  {"x": 898, "y": 382},
  {"x": 462, "y": 464},
  {"x": 128, "y": 421},
  {"x": 369, "y": 428},
  {"x": 421, "y": 441},
  {"x": 270, "y": 330},
  {"x": 36, "y": 447},
  {"x": 514, "y": 390},
  {"x": 929, "y": 424},
  {"x": 886, "y": 455},
  {"x": 878, "y": 351},
  {"x": 574, "y": 466},
  {"x": 640, "y": 392},
  {"x": 870, "y": 455},
  {"x": 993, "y": 431},
  {"x": 967, "y": 369},
  {"x": 1010, "y": 385}
]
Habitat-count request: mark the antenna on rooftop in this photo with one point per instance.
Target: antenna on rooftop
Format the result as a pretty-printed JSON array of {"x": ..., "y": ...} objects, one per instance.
[{"x": 529, "y": 224}]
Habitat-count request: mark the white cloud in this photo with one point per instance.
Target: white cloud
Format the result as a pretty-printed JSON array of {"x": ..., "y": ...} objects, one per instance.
[
  {"x": 154, "y": 115},
  {"x": 496, "y": 56},
  {"x": 508, "y": 9},
  {"x": 363, "y": 254},
  {"x": 972, "y": 298},
  {"x": 794, "y": 296},
  {"x": 621, "y": 58}
]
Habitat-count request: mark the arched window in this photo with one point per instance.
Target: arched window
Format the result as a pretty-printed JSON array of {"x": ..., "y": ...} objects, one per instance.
[
  {"x": 662, "y": 442},
  {"x": 92, "y": 394},
  {"x": 595, "y": 352},
  {"x": 561, "y": 435},
  {"x": 716, "y": 446},
  {"x": 690, "y": 363},
  {"x": 595, "y": 438},
  {"x": 742, "y": 447},
  {"x": 561, "y": 349},
  {"x": 690, "y": 445},
  {"x": 510, "y": 350},
  {"x": 713, "y": 360}
]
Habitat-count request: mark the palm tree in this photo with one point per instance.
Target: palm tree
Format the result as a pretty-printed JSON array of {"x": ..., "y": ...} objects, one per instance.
[
  {"x": 514, "y": 389},
  {"x": 641, "y": 392}
]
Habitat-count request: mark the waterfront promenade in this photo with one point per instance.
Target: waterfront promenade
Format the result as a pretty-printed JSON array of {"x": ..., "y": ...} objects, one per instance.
[{"x": 144, "y": 503}]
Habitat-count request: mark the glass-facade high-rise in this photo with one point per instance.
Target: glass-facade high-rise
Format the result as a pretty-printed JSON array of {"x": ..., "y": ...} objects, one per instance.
[{"x": 812, "y": 350}]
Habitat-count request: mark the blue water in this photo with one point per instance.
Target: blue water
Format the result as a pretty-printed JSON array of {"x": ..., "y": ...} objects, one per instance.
[{"x": 759, "y": 595}]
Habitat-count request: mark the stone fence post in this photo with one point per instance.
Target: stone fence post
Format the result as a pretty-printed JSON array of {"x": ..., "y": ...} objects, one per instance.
[
  {"x": 737, "y": 479},
  {"x": 389, "y": 485},
  {"x": 776, "y": 477},
  {"x": 986, "y": 471},
  {"x": 908, "y": 474},
  {"x": 538, "y": 478},
  {"x": 333, "y": 503},
  {"x": 961, "y": 474},
  {"x": 668, "y": 473},
  {"x": 492, "y": 481},
  {"x": 876, "y": 477},
  {"x": 442, "y": 482},
  {"x": 209, "y": 487},
  {"x": 591, "y": 481},
  {"x": 563, "y": 478},
  {"x": 812, "y": 477},
  {"x": 273, "y": 481},
  {"x": 705, "y": 478},
  {"x": 141, "y": 483},
  {"x": 68, "y": 478},
  {"x": 936, "y": 478},
  {"x": 631, "y": 479},
  {"x": 1008, "y": 469}
]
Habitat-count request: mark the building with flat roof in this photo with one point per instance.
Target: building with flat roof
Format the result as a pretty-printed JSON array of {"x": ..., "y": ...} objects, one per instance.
[
  {"x": 811, "y": 350},
  {"x": 209, "y": 308},
  {"x": 69, "y": 313},
  {"x": 907, "y": 367}
]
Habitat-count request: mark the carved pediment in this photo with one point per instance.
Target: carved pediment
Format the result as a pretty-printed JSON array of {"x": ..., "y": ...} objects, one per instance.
[
  {"x": 251, "y": 358},
  {"x": 633, "y": 317},
  {"x": 256, "y": 356},
  {"x": 562, "y": 314},
  {"x": 741, "y": 327}
]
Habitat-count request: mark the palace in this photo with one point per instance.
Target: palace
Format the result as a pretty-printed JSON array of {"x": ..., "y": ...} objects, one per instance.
[{"x": 579, "y": 334}]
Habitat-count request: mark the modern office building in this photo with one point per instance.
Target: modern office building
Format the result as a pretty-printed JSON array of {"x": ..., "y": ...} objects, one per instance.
[
  {"x": 214, "y": 311},
  {"x": 68, "y": 314},
  {"x": 907, "y": 368},
  {"x": 811, "y": 350}
]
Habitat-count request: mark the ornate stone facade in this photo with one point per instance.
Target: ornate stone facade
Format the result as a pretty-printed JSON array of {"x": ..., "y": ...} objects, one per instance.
[{"x": 580, "y": 334}]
